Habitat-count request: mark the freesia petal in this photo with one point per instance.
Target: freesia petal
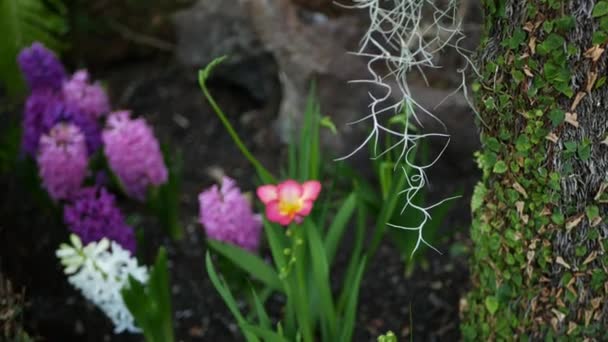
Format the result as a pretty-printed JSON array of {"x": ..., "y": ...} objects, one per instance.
[
  {"x": 267, "y": 193},
  {"x": 311, "y": 190},
  {"x": 306, "y": 208},
  {"x": 289, "y": 191},
  {"x": 273, "y": 213},
  {"x": 286, "y": 220}
]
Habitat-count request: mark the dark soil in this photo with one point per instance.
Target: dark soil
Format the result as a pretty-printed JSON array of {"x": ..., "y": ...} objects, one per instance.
[{"x": 423, "y": 306}]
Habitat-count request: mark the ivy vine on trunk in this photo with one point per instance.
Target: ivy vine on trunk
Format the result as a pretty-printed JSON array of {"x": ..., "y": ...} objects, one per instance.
[{"x": 539, "y": 268}]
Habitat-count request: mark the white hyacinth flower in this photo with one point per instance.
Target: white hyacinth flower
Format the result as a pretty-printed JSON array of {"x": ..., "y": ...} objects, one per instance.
[{"x": 100, "y": 270}]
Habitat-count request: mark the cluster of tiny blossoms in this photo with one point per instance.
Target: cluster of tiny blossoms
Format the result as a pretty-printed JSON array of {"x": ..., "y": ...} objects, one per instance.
[
  {"x": 133, "y": 153},
  {"x": 99, "y": 271},
  {"x": 62, "y": 160},
  {"x": 93, "y": 215},
  {"x": 63, "y": 126},
  {"x": 57, "y": 99},
  {"x": 226, "y": 216}
]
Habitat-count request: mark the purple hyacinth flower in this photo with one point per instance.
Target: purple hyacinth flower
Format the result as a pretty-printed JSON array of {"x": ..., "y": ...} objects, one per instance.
[
  {"x": 226, "y": 216},
  {"x": 44, "y": 109},
  {"x": 41, "y": 67},
  {"x": 93, "y": 215},
  {"x": 62, "y": 161},
  {"x": 133, "y": 154},
  {"x": 36, "y": 109},
  {"x": 83, "y": 97}
]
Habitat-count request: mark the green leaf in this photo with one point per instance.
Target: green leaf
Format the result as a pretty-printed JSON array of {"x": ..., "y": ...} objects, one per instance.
[
  {"x": 604, "y": 24},
  {"x": 552, "y": 43},
  {"x": 249, "y": 263},
  {"x": 23, "y": 22},
  {"x": 600, "y": 9},
  {"x": 599, "y": 38},
  {"x": 226, "y": 295},
  {"x": 320, "y": 273},
  {"x": 491, "y": 304},
  {"x": 565, "y": 23},
  {"x": 516, "y": 39},
  {"x": 500, "y": 167},
  {"x": 600, "y": 82},
  {"x": 478, "y": 196},
  {"x": 338, "y": 226},
  {"x": 264, "y": 333},
  {"x": 352, "y": 298},
  {"x": 592, "y": 212},
  {"x": 309, "y": 156},
  {"x": 570, "y": 146},
  {"x": 150, "y": 304},
  {"x": 277, "y": 244},
  {"x": 329, "y": 124},
  {"x": 493, "y": 144},
  {"x": 584, "y": 150},
  {"x": 260, "y": 311},
  {"x": 557, "y": 116},
  {"x": 203, "y": 75},
  {"x": 386, "y": 212}
]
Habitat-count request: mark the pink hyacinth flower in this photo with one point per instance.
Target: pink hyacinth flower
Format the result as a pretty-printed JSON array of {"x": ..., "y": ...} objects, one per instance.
[
  {"x": 289, "y": 201},
  {"x": 133, "y": 153},
  {"x": 83, "y": 96},
  {"x": 62, "y": 161}
]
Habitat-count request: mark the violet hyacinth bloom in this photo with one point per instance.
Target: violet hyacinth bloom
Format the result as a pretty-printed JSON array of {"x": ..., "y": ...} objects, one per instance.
[
  {"x": 41, "y": 67},
  {"x": 133, "y": 153},
  {"x": 83, "y": 97},
  {"x": 226, "y": 216},
  {"x": 62, "y": 161},
  {"x": 36, "y": 110},
  {"x": 44, "y": 109},
  {"x": 93, "y": 215}
]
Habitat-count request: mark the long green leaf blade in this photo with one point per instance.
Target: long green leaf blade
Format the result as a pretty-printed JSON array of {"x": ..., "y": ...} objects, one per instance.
[
  {"x": 249, "y": 263},
  {"x": 338, "y": 226}
]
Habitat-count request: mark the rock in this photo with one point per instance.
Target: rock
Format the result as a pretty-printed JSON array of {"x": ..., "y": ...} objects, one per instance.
[{"x": 215, "y": 28}]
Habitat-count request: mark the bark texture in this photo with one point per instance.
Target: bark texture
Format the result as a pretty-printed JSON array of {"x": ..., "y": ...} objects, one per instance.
[{"x": 539, "y": 268}]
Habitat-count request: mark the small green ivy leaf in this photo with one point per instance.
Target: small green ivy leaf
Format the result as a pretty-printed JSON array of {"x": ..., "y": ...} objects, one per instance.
[
  {"x": 565, "y": 23},
  {"x": 600, "y": 82},
  {"x": 600, "y": 9},
  {"x": 599, "y": 37},
  {"x": 604, "y": 23},
  {"x": 476, "y": 86},
  {"x": 522, "y": 143},
  {"x": 584, "y": 150},
  {"x": 592, "y": 212},
  {"x": 557, "y": 116},
  {"x": 552, "y": 43},
  {"x": 491, "y": 304},
  {"x": 493, "y": 144},
  {"x": 478, "y": 195},
  {"x": 548, "y": 26},
  {"x": 500, "y": 167},
  {"x": 518, "y": 76},
  {"x": 558, "y": 218}
]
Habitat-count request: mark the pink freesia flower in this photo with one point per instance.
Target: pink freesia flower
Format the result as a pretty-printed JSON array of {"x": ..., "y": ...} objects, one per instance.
[{"x": 289, "y": 201}]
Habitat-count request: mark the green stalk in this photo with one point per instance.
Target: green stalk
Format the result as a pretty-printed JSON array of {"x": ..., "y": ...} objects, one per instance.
[
  {"x": 202, "y": 78},
  {"x": 302, "y": 301}
]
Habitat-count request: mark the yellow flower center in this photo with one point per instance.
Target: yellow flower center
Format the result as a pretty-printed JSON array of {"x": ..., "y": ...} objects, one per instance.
[{"x": 290, "y": 208}]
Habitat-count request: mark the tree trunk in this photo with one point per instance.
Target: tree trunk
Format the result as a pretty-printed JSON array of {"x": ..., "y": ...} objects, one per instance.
[{"x": 540, "y": 266}]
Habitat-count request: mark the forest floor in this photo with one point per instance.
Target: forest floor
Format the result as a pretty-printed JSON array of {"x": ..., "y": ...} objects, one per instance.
[{"x": 422, "y": 306}]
